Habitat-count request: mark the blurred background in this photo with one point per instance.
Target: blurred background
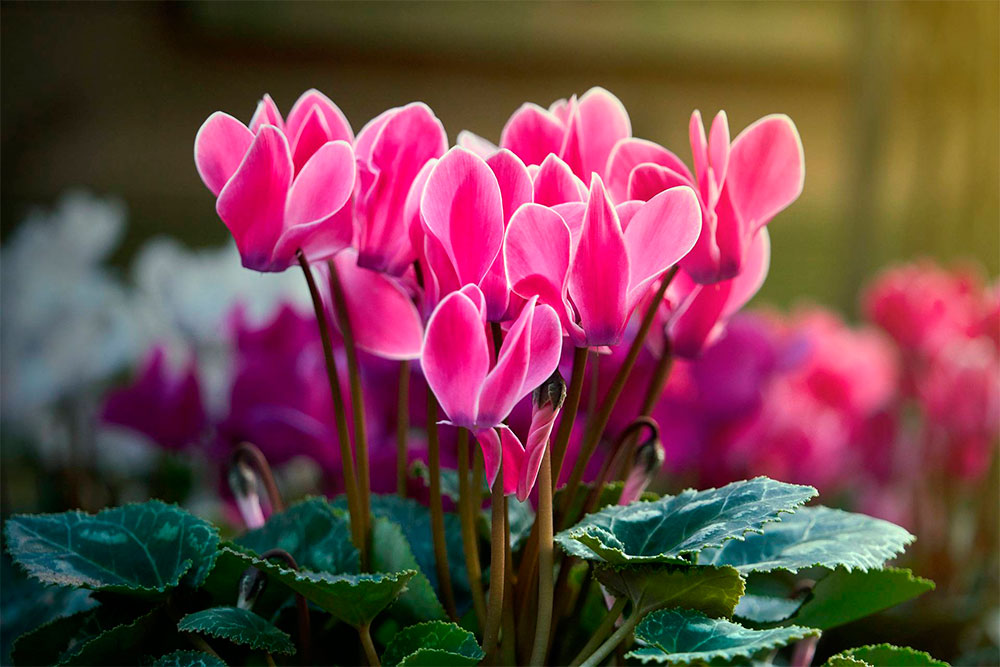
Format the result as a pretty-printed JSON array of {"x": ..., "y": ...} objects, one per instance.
[
  {"x": 897, "y": 103},
  {"x": 113, "y": 254}
]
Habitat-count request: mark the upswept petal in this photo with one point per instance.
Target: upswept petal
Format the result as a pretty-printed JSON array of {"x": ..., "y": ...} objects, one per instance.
[
  {"x": 532, "y": 133},
  {"x": 627, "y": 210},
  {"x": 219, "y": 147},
  {"x": 312, "y": 99},
  {"x": 455, "y": 357},
  {"x": 513, "y": 179},
  {"x": 542, "y": 420},
  {"x": 598, "y": 274},
  {"x": 718, "y": 147},
  {"x": 545, "y": 347},
  {"x": 753, "y": 274},
  {"x": 502, "y": 388},
  {"x": 658, "y": 236},
  {"x": 555, "y": 183},
  {"x": 471, "y": 141},
  {"x": 390, "y": 162},
  {"x": 313, "y": 133},
  {"x": 766, "y": 169},
  {"x": 411, "y": 211},
  {"x": 572, "y": 214},
  {"x": 503, "y": 447},
  {"x": 252, "y": 203},
  {"x": 395, "y": 332},
  {"x": 648, "y": 180},
  {"x": 462, "y": 207},
  {"x": 266, "y": 114},
  {"x": 323, "y": 186},
  {"x": 699, "y": 151},
  {"x": 598, "y": 122},
  {"x": 691, "y": 325},
  {"x": 628, "y": 154},
  {"x": 536, "y": 256}
]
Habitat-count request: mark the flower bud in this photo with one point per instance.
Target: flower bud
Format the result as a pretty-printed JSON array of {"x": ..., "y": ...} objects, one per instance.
[
  {"x": 244, "y": 485},
  {"x": 648, "y": 460},
  {"x": 551, "y": 392}
]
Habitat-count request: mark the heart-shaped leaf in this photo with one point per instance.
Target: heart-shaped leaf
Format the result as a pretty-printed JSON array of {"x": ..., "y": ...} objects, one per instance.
[
  {"x": 813, "y": 536},
  {"x": 766, "y": 609},
  {"x": 609, "y": 494},
  {"x": 392, "y": 553},
  {"x": 240, "y": 626},
  {"x": 674, "y": 527},
  {"x": 313, "y": 532},
  {"x": 682, "y": 636},
  {"x": 141, "y": 548},
  {"x": 188, "y": 659},
  {"x": 126, "y": 643},
  {"x": 352, "y": 598},
  {"x": 884, "y": 655},
  {"x": 436, "y": 643},
  {"x": 712, "y": 590}
]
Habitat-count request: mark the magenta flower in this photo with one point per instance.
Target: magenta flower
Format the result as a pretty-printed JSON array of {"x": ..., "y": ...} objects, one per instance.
[
  {"x": 465, "y": 207},
  {"x": 391, "y": 151},
  {"x": 693, "y": 316},
  {"x": 281, "y": 186},
  {"x": 593, "y": 262},
  {"x": 582, "y": 132},
  {"x": 740, "y": 186},
  {"x": 476, "y": 391},
  {"x": 165, "y": 407}
]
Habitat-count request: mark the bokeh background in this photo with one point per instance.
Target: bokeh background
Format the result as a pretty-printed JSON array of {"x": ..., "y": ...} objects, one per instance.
[{"x": 897, "y": 103}]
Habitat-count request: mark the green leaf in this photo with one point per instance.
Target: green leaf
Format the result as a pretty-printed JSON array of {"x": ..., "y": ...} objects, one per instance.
[
  {"x": 813, "y": 536},
  {"x": 765, "y": 609},
  {"x": 313, "y": 532},
  {"x": 124, "y": 644},
  {"x": 682, "y": 636},
  {"x": 844, "y": 661},
  {"x": 433, "y": 643},
  {"x": 609, "y": 495},
  {"x": 885, "y": 655},
  {"x": 673, "y": 527},
  {"x": 139, "y": 548},
  {"x": 844, "y": 596},
  {"x": 240, "y": 626},
  {"x": 188, "y": 659},
  {"x": 415, "y": 520},
  {"x": 520, "y": 517},
  {"x": 712, "y": 590},
  {"x": 449, "y": 479},
  {"x": 392, "y": 553},
  {"x": 352, "y": 598}
]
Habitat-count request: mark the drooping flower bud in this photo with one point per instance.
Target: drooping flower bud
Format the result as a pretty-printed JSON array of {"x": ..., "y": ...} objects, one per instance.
[
  {"x": 648, "y": 460},
  {"x": 251, "y": 585},
  {"x": 552, "y": 392},
  {"x": 244, "y": 485}
]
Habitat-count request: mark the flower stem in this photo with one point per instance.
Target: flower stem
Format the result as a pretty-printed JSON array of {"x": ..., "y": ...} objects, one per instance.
[
  {"x": 366, "y": 641},
  {"x": 340, "y": 417},
  {"x": 467, "y": 514},
  {"x": 251, "y": 454},
  {"x": 602, "y": 631},
  {"x": 437, "y": 507},
  {"x": 357, "y": 395},
  {"x": 497, "y": 553},
  {"x": 597, "y": 422},
  {"x": 301, "y": 606},
  {"x": 402, "y": 426},
  {"x": 570, "y": 408},
  {"x": 508, "y": 627},
  {"x": 614, "y": 640},
  {"x": 545, "y": 560}
]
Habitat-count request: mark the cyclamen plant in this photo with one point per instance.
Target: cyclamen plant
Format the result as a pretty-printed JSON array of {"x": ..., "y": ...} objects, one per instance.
[{"x": 490, "y": 271}]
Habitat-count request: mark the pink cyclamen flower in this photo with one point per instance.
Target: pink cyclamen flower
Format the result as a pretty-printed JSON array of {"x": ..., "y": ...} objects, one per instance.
[
  {"x": 582, "y": 132},
  {"x": 476, "y": 391},
  {"x": 692, "y": 316},
  {"x": 392, "y": 149},
  {"x": 593, "y": 262},
  {"x": 281, "y": 186},
  {"x": 741, "y": 186},
  {"x": 464, "y": 209},
  {"x": 164, "y": 406}
]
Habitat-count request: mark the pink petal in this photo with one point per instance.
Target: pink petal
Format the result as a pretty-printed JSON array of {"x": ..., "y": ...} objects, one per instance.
[
  {"x": 266, "y": 114},
  {"x": 335, "y": 120},
  {"x": 513, "y": 179},
  {"x": 598, "y": 275},
  {"x": 404, "y": 142},
  {"x": 753, "y": 273},
  {"x": 219, "y": 147},
  {"x": 455, "y": 357},
  {"x": 599, "y": 122},
  {"x": 414, "y": 225},
  {"x": 252, "y": 203},
  {"x": 503, "y": 386},
  {"x": 648, "y": 180},
  {"x": 555, "y": 183},
  {"x": 538, "y": 439},
  {"x": 471, "y": 141},
  {"x": 384, "y": 318},
  {"x": 365, "y": 140},
  {"x": 572, "y": 213},
  {"x": 630, "y": 153},
  {"x": 323, "y": 186},
  {"x": 545, "y": 347},
  {"x": 536, "y": 256},
  {"x": 627, "y": 210},
  {"x": 718, "y": 147},
  {"x": 659, "y": 235},
  {"x": 532, "y": 133},
  {"x": 699, "y": 148},
  {"x": 463, "y": 208},
  {"x": 692, "y": 324},
  {"x": 504, "y": 447},
  {"x": 313, "y": 133},
  {"x": 766, "y": 169}
]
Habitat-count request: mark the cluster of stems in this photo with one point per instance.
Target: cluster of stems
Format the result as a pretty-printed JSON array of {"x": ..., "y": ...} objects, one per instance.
[{"x": 531, "y": 588}]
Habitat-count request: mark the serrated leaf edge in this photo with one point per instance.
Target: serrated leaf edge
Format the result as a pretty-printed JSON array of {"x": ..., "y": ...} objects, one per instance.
[{"x": 253, "y": 643}]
